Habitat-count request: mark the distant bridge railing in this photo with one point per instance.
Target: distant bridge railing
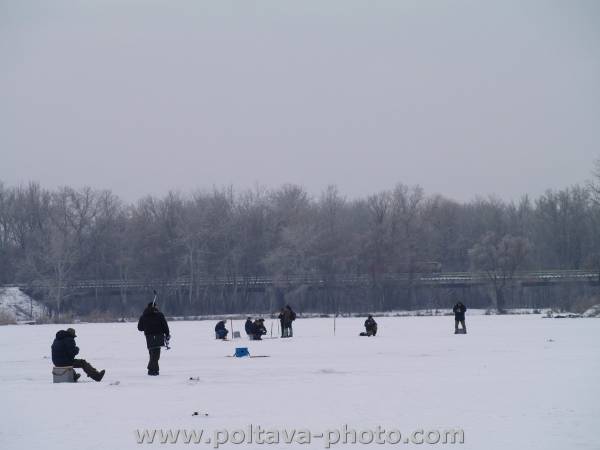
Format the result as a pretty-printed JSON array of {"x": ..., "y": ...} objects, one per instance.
[{"x": 430, "y": 279}]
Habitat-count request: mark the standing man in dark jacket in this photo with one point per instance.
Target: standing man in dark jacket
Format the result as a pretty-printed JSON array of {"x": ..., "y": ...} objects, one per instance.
[
  {"x": 459, "y": 316},
  {"x": 287, "y": 316},
  {"x": 155, "y": 328},
  {"x": 64, "y": 351}
]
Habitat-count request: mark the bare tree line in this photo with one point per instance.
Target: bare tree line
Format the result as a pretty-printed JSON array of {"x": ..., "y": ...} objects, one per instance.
[{"x": 67, "y": 234}]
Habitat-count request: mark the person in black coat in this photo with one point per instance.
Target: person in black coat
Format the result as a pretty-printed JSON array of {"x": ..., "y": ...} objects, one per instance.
[
  {"x": 155, "y": 328},
  {"x": 459, "y": 317},
  {"x": 370, "y": 326},
  {"x": 64, "y": 351},
  {"x": 220, "y": 331},
  {"x": 259, "y": 329},
  {"x": 249, "y": 327},
  {"x": 287, "y": 316}
]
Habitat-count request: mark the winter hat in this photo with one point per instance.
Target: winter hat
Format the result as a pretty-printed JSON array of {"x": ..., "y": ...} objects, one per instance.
[{"x": 71, "y": 331}]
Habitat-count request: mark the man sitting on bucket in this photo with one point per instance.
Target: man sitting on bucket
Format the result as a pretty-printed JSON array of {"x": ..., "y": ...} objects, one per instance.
[
  {"x": 220, "y": 330},
  {"x": 64, "y": 351}
]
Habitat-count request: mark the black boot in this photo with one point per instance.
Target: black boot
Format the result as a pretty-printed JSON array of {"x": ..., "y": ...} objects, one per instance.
[
  {"x": 99, "y": 375},
  {"x": 91, "y": 372}
]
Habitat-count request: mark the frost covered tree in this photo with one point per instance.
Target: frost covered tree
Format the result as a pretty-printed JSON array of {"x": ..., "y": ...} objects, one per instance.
[{"x": 499, "y": 259}]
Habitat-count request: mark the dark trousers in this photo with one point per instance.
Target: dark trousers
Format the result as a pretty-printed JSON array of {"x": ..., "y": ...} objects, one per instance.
[
  {"x": 89, "y": 370},
  {"x": 153, "y": 363},
  {"x": 462, "y": 322},
  {"x": 221, "y": 334}
]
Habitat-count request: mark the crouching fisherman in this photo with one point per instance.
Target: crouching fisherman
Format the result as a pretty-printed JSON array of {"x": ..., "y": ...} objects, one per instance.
[
  {"x": 220, "y": 331},
  {"x": 258, "y": 329},
  {"x": 155, "y": 328},
  {"x": 370, "y": 327},
  {"x": 64, "y": 351}
]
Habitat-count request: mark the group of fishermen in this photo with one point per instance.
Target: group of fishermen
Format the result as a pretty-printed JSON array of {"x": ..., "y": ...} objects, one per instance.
[
  {"x": 156, "y": 330},
  {"x": 255, "y": 329}
]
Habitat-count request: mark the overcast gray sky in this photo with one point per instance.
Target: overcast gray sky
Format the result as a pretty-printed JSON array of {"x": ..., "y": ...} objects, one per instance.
[{"x": 140, "y": 96}]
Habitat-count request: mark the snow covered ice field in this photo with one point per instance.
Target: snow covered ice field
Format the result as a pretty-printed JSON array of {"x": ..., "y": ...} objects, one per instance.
[{"x": 519, "y": 382}]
